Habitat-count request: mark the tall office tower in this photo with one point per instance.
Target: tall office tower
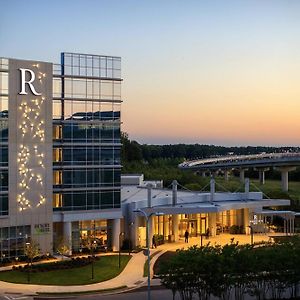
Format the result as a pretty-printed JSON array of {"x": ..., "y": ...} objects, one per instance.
[{"x": 60, "y": 153}]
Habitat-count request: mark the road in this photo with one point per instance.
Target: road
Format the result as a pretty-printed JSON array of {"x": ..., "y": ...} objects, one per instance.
[
  {"x": 157, "y": 294},
  {"x": 14, "y": 297}
]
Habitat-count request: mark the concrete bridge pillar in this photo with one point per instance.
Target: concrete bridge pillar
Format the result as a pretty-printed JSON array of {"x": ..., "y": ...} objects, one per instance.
[
  {"x": 149, "y": 194},
  {"x": 261, "y": 174},
  {"x": 247, "y": 188},
  {"x": 212, "y": 189},
  {"x": 203, "y": 173},
  {"x": 174, "y": 192},
  {"x": 226, "y": 175},
  {"x": 285, "y": 177},
  {"x": 242, "y": 174}
]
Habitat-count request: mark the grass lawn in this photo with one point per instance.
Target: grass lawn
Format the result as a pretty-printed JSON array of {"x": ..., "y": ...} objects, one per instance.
[
  {"x": 164, "y": 257},
  {"x": 105, "y": 268},
  {"x": 146, "y": 263}
]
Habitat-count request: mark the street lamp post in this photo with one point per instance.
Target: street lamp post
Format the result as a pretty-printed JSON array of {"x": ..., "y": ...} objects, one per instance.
[
  {"x": 121, "y": 233},
  {"x": 28, "y": 271},
  {"x": 93, "y": 248},
  {"x": 147, "y": 217},
  {"x": 251, "y": 233},
  {"x": 129, "y": 240}
]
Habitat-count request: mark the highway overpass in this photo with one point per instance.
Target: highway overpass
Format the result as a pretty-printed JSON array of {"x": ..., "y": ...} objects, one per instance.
[{"x": 284, "y": 162}]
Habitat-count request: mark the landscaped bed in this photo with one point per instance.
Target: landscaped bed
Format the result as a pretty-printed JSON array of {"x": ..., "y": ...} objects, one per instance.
[{"x": 105, "y": 268}]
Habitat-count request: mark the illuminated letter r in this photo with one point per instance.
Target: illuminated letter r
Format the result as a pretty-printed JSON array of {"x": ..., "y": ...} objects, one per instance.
[{"x": 29, "y": 82}]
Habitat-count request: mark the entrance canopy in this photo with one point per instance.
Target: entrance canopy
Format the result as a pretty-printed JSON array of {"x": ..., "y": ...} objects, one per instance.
[
  {"x": 162, "y": 200},
  {"x": 285, "y": 214},
  {"x": 209, "y": 207}
]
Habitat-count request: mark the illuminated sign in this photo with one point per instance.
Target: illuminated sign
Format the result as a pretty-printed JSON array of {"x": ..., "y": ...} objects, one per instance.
[{"x": 28, "y": 82}]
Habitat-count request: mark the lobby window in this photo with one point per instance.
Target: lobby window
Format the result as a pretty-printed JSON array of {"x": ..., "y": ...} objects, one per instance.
[
  {"x": 57, "y": 177},
  {"x": 57, "y": 200},
  {"x": 57, "y": 154},
  {"x": 57, "y": 132}
]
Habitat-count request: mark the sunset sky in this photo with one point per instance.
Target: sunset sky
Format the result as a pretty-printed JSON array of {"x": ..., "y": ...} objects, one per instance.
[{"x": 219, "y": 72}]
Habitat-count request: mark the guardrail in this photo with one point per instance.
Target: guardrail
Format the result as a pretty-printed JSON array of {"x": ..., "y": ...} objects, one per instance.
[{"x": 244, "y": 160}]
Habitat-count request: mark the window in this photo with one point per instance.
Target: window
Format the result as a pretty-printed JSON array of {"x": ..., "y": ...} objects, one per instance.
[
  {"x": 3, "y": 130},
  {"x": 3, "y": 107},
  {"x": 13, "y": 240},
  {"x": 4, "y": 63},
  {"x": 57, "y": 132},
  {"x": 3, "y": 83},
  {"x": 3, "y": 180},
  {"x": 57, "y": 200},
  {"x": 3, "y": 156},
  {"x": 57, "y": 154},
  {"x": 57, "y": 109},
  {"x": 56, "y": 87},
  {"x": 3, "y": 205},
  {"x": 57, "y": 177},
  {"x": 92, "y": 65}
]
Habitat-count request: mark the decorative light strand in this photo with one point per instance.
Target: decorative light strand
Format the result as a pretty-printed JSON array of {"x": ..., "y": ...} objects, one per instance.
[{"x": 31, "y": 126}]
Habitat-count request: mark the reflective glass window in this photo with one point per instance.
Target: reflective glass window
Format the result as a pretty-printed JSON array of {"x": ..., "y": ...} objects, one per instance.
[
  {"x": 4, "y": 63},
  {"x": 57, "y": 200},
  {"x": 68, "y": 87},
  {"x": 57, "y": 132},
  {"x": 3, "y": 156},
  {"x": 3, "y": 130},
  {"x": 3, "y": 107},
  {"x": 57, "y": 112},
  {"x": 79, "y": 88},
  {"x": 57, "y": 154},
  {"x": 56, "y": 87},
  {"x": 3, "y": 204},
  {"x": 106, "y": 89},
  {"x": 3, "y": 180},
  {"x": 3, "y": 83}
]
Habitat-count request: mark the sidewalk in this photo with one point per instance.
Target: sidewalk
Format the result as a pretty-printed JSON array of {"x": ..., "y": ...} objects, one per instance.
[{"x": 131, "y": 276}]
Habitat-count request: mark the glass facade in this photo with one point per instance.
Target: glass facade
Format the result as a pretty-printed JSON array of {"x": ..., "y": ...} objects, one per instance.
[
  {"x": 86, "y": 132},
  {"x": 3, "y": 136},
  {"x": 13, "y": 241}
]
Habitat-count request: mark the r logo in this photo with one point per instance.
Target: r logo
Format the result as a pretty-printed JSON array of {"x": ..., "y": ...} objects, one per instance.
[{"x": 29, "y": 82}]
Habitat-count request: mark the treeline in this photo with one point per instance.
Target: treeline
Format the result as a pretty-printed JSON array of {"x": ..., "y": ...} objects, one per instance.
[
  {"x": 133, "y": 151},
  {"x": 234, "y": 271}
]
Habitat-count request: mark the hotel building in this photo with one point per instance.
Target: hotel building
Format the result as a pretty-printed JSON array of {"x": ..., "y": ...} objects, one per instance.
[
  {"x": 59, "y": 152},
  {"x": 60, "y": 169}
]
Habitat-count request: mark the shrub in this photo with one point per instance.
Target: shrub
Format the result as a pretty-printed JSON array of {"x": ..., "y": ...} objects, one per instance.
[{"x": 59, "y": 265}]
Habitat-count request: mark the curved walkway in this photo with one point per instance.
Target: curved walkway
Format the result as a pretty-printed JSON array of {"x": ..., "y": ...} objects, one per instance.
[{"x": 131, "y": 276}]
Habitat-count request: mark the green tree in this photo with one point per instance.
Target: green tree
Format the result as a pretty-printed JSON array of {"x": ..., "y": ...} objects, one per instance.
[{"x": 32, "y": 250}]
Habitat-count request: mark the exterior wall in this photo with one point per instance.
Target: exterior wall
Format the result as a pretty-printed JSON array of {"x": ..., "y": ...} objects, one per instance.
[{"x": 30, "y": 153}]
